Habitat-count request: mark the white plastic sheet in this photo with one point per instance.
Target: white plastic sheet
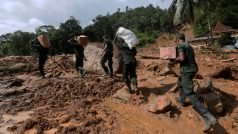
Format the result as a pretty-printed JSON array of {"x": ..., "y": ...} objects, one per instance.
[
  {"x": 236, "y": 44},
  {"x": 128, "y": 36}
]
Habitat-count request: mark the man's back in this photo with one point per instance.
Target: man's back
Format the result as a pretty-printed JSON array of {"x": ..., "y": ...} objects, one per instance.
[
  {"x": 109, "y": 46},
  {"x": 189, "y": 65},
  {"x": 79, "y": 50},
  {"x": 128, "y": 54}
]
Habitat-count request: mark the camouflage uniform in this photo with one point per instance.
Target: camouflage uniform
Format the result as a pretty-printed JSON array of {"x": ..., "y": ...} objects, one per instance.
[{"x": 188, "y": 69}]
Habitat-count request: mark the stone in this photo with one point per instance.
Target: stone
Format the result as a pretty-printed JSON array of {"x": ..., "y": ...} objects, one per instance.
[
  {"x": 122, "y": 94},
  {"x": 16, "y": 82},
  {"x": 225, "y": 73},
  {"x": 49, "y": 75},
  {"x": 174, "y": 89},
  {"x": 203, "y": 86},
  {"x": 159, "y": 104},
  {"x": 18, "y": 66},
  {"x": 153, "y": 67},
  {"x": 213, "y": 102}
]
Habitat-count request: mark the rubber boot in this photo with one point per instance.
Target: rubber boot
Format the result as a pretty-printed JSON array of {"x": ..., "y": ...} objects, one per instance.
[
  {"x": 210, "y": 121},
  {"x": 82, "y": 71},
  {"x": 134, "y": 85},
  {"x": 129, "y": 88}
]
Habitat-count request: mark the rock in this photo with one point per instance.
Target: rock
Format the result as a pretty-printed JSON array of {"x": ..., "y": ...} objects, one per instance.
[
  {"x": 28, "y": 101},
  {"x": 29, "y": 124},
  {"x": 49, "y": 75},
  {"x": 174, "y": 89},
  {"x": 93, "y": 53},
  {"x": 161, "y": 78},
  {"x": 198, "y": 76},
  {"x": 159, "y": 104},
  {"x": 213, "y": 102},
  {"x": 16, "y": 82},
  {"x": 153, "y": 67},
  {"x": 203, "y": 86},
  {"x": 12, "y": 128},
  {"x": 225, "y": 73},
  {"x": 123, "y": 94},
  {"x": 167, "y": 71},
  {"x": 209, "y": 94},
  {"x": 18, "y": 67}
]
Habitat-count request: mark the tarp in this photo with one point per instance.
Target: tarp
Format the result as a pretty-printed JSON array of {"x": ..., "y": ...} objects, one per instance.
[
  {"x": 229, "y": 47},
  {"x": 236, "y": 44}
]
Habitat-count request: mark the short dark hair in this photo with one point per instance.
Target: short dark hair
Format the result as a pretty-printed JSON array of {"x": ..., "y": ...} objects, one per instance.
[{"x": 180, "y": 36}]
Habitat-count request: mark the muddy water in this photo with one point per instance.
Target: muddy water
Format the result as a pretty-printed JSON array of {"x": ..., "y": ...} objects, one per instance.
[{"x": 12, "y": 119}]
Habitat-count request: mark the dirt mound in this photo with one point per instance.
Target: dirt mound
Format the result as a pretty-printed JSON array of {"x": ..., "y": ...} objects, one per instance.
[
  {"x": 17, "y": 65},
  {"x": 53, "y": 99}
]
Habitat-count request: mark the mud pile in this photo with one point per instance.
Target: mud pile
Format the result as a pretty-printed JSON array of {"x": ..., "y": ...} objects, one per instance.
[
  {"x": 17, "y": 65},
  {"x": 56, "y": 102}
]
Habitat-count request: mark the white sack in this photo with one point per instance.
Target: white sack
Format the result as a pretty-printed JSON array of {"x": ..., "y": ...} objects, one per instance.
[{"x": 128, "y": 36}]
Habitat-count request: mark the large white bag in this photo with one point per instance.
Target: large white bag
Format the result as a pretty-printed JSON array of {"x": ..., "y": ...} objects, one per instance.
[
  {"x": 236, "y": 44},
  {"x": 128, "y": 36}
]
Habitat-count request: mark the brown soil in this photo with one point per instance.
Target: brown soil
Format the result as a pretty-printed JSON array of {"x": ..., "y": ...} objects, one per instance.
[{"x": 64, "y": 103}]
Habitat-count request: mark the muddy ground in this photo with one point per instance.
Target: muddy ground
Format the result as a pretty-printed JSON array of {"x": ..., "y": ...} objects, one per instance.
[{"x": 64, "y": 103}]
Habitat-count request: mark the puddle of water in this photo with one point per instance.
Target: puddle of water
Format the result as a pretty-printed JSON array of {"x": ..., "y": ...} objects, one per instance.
[{"x": 9, "y": 120}]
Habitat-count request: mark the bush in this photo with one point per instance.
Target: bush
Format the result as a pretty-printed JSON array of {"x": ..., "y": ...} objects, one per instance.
[
  {"x": 145, "y": 39},
  {"x": 217, "y": 50},
  {"x": 226, "y": 39}
]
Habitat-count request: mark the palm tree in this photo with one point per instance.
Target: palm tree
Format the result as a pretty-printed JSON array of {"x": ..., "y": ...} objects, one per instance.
[{"x": 189, "y": 11}]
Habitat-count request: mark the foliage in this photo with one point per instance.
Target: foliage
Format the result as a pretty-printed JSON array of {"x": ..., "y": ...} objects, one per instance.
[
  {"x": 146, "y": 22},
  {"x": 226, "y": 39}
]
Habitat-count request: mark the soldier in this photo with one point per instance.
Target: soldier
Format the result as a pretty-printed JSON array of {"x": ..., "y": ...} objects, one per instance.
[
  {"x": 129, "y": 64},
  {"x": 107, "y": 55},
  {"x": 79, "y": 54},
  {"x": 188, "y": 69},
  {"x": 42, "y": 55}
]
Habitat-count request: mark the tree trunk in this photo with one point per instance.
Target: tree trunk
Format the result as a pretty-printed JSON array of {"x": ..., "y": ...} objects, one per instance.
[{"x": 210, "y": 37}]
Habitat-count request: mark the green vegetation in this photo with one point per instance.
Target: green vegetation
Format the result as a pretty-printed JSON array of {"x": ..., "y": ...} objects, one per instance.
[
  {"x": 226, "y": 39},
  {"x": 147, "y": 22}
]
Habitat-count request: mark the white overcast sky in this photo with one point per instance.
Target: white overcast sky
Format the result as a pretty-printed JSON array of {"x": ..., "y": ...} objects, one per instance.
[{"x": 26, "y": 15}]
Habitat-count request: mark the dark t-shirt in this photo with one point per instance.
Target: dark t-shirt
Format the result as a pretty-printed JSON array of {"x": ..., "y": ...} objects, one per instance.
[
  {"x": 189, "y": 65},
  {"x": 43, "y": 52},
  {"x": 79, "y": 51},
  {"x": 109, "y": 47}
]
